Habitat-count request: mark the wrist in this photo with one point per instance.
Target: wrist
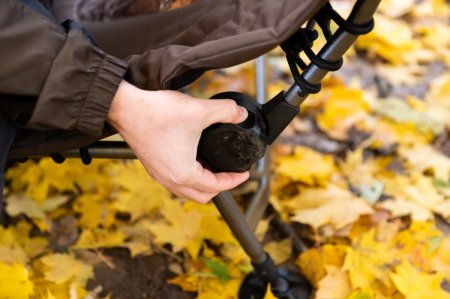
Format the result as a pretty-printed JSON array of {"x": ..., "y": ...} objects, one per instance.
[{"x": 121, "y": 103}]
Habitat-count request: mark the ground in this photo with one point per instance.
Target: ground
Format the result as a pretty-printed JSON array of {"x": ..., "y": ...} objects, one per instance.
[{"x": 360, "y": 199}]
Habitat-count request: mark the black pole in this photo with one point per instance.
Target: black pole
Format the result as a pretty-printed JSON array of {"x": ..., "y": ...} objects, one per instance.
[{"x": 340, "y": 42}]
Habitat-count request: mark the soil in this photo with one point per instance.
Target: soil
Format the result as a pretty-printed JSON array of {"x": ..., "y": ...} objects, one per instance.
[{"x": 142, "y": 277}]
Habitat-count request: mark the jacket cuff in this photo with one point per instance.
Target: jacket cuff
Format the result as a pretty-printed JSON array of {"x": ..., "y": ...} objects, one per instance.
[{"x": 95, "y": 109}]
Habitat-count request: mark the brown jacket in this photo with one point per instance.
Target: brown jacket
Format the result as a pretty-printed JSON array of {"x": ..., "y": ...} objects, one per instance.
[{"x": 56, "y": 83}]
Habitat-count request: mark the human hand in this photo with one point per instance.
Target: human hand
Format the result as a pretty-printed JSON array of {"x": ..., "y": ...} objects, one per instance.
[{"x": 163, "y": 129}]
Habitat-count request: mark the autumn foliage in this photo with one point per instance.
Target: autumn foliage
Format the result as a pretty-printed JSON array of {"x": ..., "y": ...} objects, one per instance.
[{"x": 362, "y": 176}]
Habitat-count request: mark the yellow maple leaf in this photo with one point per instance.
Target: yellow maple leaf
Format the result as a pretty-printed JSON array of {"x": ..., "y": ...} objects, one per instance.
[
  {"x": 313, "y": 261},
  {"x": 138, "y": 238},
  {"x": 212, "y": 226},
  {"x": 280, "y": 251},
  {"x": 96, "y": 238},
  {"x": 312, "y": 198},
  {"x": 62, "y": 268},
  {"x": 443, "y": 209},
  {"x": 368, "y": 262},
  {"x": 408, "y": 112},
  {"x": 421, "y": 190},
  {"x": 441, "y": 260},
  {"x": 37, "y": 210},
  {"x": 139, "y": 194},
  {"x": 44, "y": 177},
  {"x": 12, "y": 254},
  {"x": 416, "y": 243},
  {"x": 438, "y": 100},
  {"x": 339, "y": 212},
  {"x": 94, "y": 210},
  {"x": 187, "y": 282},
  {"x": 188, "y": 225},
  {"x": 334, "y": 285},
  {"x": 211, "y": 288},
  {"x": 402, "y": 207},
  {"x": 396, "y": 8},
  {"x": 14, "y": 282},
  {"x": 17, "y": 245},
  {"x": 179, "y": 228},
  {"x": 307, "y": 166},
  {"x": 414, "y": 284},
  {"x": 50, "y": 290},
  {"x": 425, "y": 158},
  {"x": 393, "y": 40},
  {"x": 387, "y": 133},
  {"x": 344, "y": 108}
]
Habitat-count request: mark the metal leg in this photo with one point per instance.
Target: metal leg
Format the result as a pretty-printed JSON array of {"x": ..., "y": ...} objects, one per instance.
[
  {"x": 238, "y": 225},
  {"x": 260, "y": 200}
]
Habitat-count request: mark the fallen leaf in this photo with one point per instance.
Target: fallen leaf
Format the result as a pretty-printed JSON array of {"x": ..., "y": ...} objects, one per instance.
[
  {"x": 62, "y": 268},
  {"x": 18, "y": 204},
  {"x": 280, "y": 251},
  {"x": 402, "y": 207},
  {"x": 344, "y": 108},
  {"x": 399, "y": 111},
  {"x": 218, "y": 268},
  {"x": 179, "y": 232},
  {"x": 307, "y": 166},
  {"x": 443, "y": 209},
  {"x": 96, "y": 238},
  {"x": 425, "y": 158},
  {"x": 368, "y": 262},
  {"x": 139, "y": 194},
  {"x": 338, "y": 212},
  {"x": 313, "y": 261},
  {"x": 441, "y": 260},
  {"x": 94, "y": 211},
  {"x": 15, "y": 282},
  {"x": 413, "y": 283},
  {"x": 335, "y": 285}
]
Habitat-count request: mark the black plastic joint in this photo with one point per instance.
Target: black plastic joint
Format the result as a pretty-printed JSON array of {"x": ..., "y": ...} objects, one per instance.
[
  {"x": 57, "y": 158},
  {"x": 278, "y": 113},
  {"x": 267, "y": 270}
]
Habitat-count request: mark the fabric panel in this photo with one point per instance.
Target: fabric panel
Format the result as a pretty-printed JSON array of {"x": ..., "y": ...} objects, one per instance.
[
  {"x": 170, "y": 49},
  {"x": 206, "y": 35},
  {"x": 94, "y": 77},
  {"x": 69, "y": 80}
]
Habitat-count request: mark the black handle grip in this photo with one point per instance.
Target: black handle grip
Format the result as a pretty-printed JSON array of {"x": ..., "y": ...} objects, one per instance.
[{"x": 234, "y": 147}]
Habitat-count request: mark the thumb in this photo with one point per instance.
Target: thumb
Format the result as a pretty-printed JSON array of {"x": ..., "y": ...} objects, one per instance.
[{"x": 224, "y": 111}]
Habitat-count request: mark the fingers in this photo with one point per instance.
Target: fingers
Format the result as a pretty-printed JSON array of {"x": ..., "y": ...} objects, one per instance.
[
  {"x": 195, "y": 195},
  {"x": 203, "y": 185},
  {"x": 207, "y": 181},
  {"x": 223, "y": 111}
]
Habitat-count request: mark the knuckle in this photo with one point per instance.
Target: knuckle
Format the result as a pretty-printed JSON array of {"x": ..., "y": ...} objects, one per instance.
[
  {"x": 180, "y": 178},
  {"x": 231, "y": 108},
  {"x": 204, "y": 198}
]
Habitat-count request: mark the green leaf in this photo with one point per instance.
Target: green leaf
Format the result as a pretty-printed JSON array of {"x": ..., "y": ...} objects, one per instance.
[
  {"x": 434, "y": 244},
  {"x": 219, "y": 269},
  {"x": 441, "y": 184}
]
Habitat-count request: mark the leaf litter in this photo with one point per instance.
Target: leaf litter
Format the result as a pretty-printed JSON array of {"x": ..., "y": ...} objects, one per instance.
[{"x": 362, "y": 176}]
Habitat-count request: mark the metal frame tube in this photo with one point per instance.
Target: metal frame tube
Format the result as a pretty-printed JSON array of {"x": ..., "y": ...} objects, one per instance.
[
  {"x": 229, "y": 210},
  {"x": 340, "y": 42}
]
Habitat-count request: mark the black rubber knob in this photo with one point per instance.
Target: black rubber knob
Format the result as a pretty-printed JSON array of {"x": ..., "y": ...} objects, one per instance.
[{"x": 234, "y": 147}]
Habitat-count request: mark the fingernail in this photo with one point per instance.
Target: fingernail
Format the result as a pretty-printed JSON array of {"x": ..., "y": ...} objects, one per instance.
[{"x": 243, "y": 113}]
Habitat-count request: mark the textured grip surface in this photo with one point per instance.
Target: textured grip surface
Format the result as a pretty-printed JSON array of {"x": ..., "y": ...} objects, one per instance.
[{"x": 234, "y": 147}]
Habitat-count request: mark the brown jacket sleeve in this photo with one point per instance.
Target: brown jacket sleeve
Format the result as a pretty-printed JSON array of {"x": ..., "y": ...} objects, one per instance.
[{"x": 70, "y": 80}]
